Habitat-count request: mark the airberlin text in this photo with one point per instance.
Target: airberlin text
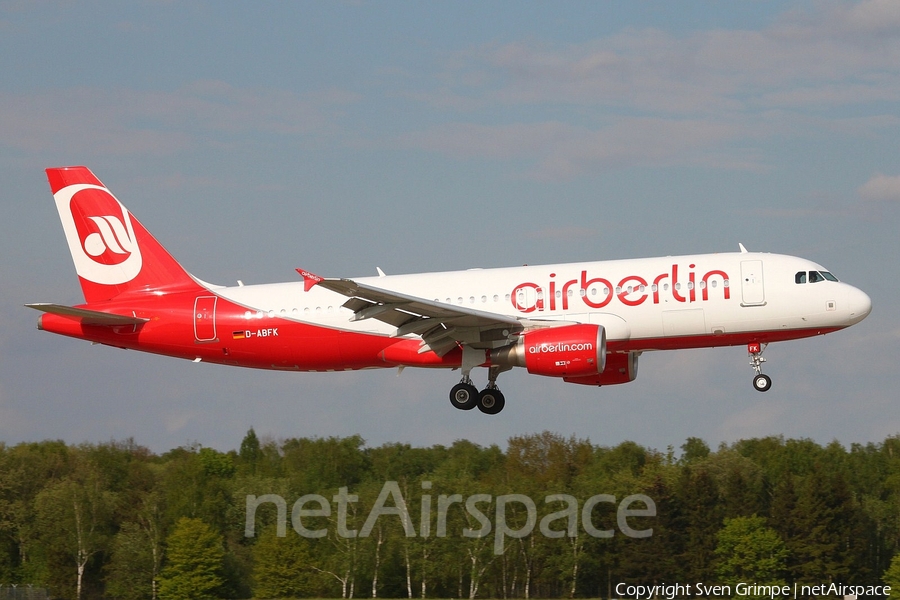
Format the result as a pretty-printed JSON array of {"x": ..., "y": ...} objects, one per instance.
[
  {"x": 311, "y": 515},
  {"x": 631, "y": 290}
]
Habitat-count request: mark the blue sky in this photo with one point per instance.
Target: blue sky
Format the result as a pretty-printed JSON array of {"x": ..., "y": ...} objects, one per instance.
[{"x": 254, "y": 138}]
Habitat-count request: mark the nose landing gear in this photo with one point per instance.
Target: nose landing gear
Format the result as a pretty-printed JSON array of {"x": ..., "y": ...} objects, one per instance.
[{"x": 761, "y": 382}]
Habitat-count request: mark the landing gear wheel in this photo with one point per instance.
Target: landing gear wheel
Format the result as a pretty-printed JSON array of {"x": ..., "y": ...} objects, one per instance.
[
  {"x": 491, "y": 401},
  {"x": 762, "y": 382},
  {"x": 464, "y": 396}
]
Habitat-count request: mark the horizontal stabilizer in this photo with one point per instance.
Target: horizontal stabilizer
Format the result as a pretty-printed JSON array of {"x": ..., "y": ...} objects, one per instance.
[{"x": 86, "y": 316}]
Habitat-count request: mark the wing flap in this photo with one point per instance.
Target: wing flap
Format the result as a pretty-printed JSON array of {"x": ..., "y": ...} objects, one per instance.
[{"x": 87, "y": 316}]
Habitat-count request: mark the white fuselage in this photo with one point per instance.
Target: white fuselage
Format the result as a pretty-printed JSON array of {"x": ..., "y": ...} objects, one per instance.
[{"x": 650, "y": 299}]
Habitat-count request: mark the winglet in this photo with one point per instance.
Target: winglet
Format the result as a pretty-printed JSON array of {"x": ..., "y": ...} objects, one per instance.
[{"x": 309, "y": 279}]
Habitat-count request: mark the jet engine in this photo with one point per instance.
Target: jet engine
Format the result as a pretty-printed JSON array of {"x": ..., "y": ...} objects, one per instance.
[{"x": 567, "y": 351}]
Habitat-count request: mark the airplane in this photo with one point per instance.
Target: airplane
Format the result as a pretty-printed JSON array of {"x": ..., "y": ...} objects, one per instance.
[{"x": 585, "y": 323}]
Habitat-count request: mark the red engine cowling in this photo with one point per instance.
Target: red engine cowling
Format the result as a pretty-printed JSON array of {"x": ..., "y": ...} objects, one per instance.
[
  {"x": 620, "y": 368},
  {"x": 567, "y": 351}
]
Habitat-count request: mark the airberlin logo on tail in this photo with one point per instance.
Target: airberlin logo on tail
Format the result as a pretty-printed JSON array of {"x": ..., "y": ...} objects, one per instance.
[
  {"x": 100, "y": 234},
  {"x": 111, "y": 244}
]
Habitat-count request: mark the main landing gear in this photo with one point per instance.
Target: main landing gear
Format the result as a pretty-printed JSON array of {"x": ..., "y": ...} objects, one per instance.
[
  {"x": 466, "y": 396},
  {"x": 761, "y": 382}
]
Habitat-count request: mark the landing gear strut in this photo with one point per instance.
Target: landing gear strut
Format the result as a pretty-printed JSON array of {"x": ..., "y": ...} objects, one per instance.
[
  {"x": 466, "y": 396},
  {"x": 761, "y": 382}
]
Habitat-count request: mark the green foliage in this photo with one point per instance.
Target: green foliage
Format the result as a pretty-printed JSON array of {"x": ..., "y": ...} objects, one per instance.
[
  {"x": 750, "y": 551},
  {"x": 216, "y": 463},
  {"x": 251, "y": 452},
  {"x": 95, "y": 517},
  {"x": 131, "y": 570},
  {"x": 702, "y": 520},
  {"x": 892, "y": 577},
  {"x": 74, "y": 521},
  {"x": 694, "y": 449},
  {"x": 194, "y": 563},
  {"x": 280, "y": 566}
]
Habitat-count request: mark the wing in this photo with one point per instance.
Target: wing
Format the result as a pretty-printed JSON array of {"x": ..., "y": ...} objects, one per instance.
[{"x": 441, "y": 326}]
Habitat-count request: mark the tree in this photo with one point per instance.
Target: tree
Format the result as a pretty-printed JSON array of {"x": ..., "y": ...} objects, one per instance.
[
  {"x": 658, "y": 557},
  {"x": 74, "y": 519},
  {"x": 280, "y": 566},
  {"x": 892, "y": 577},
  {"x": 136, "y": 556},
  {"x": 25, "y": 470},
  {"x": 250, "y": 452},
  {"x": 195, "y": 558},
  {"x": 827, "y": 526},
  {"x": 130, "y": 569},
  {"x": 694, "y": 449},
  {"x": 703, "y": 514},
  {"x": 748, "y": 550}
]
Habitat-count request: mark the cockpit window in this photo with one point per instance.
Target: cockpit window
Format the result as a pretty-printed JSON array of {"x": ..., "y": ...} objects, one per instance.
[{"x": 813, "y": 276}]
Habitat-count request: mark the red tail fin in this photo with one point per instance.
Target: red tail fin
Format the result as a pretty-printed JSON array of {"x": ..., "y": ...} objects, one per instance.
[{"x": 112, "y": 251}]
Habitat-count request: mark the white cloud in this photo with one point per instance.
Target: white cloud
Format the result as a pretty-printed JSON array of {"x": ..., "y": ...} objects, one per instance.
[{"x": 885, "y": 188}]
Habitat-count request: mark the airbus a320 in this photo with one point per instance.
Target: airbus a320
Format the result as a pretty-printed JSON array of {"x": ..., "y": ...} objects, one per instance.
[{"x": 585, "y": 323}]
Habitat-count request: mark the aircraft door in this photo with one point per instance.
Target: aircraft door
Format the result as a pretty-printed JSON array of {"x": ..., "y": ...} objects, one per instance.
[
  {"x": 205, "y": 319},
  {"x": 752, "y": 290}
]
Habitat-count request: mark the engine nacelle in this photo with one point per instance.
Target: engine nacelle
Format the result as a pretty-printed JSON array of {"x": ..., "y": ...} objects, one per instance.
[
  {"x": 566, "y": 351},
  {"x": 620, "y": 368}
]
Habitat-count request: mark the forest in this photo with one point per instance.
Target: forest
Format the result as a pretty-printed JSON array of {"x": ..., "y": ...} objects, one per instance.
[{"x": 549, "y": 516}]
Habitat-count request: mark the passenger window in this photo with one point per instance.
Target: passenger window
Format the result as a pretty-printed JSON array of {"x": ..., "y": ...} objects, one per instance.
[
  {"x": 814, "y": 277},
  {"x": 800, "y": 277}
]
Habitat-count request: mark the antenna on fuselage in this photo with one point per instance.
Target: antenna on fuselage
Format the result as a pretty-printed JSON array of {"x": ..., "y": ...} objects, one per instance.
[{"x": 741, "y": 246}]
